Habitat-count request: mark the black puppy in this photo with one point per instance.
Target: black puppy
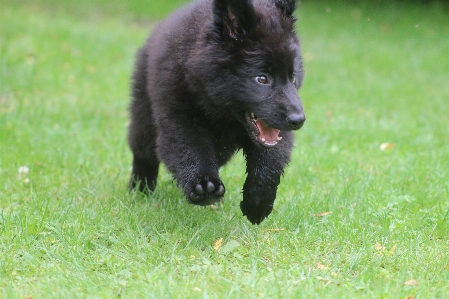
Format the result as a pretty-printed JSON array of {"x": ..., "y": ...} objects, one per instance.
[{"x": 215, "y": 77}]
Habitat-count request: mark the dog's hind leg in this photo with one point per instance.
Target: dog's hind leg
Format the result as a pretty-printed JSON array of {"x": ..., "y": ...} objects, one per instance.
[
  {"x": 145, "y": 165},
  {"x": 142, "y": 132}
]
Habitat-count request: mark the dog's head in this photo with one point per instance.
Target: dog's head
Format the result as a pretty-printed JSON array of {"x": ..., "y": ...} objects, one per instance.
[{"x": 257, "y": 66}]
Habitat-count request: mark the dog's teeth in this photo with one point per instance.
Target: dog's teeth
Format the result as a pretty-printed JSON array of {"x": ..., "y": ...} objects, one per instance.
[
  {"x": 279, "y": 138},
  {"x": 263, "y": 139},
  {"x": 252, "y": 115}
]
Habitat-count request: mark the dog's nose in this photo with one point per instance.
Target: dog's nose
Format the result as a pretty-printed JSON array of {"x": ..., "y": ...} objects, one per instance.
[{"x": 296, "y": 120}]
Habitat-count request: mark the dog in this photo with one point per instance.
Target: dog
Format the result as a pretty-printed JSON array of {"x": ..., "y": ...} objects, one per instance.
[{"x": 215, "y": 77}]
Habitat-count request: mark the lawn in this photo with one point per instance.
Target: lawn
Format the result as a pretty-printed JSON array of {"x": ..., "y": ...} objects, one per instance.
[{"x": 362, "y": 211}]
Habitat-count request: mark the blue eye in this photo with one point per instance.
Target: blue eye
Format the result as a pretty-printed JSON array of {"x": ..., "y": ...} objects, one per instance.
[{"x": 262, "y": 79}]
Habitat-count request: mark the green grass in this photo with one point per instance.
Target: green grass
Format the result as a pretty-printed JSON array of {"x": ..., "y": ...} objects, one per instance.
[{"x": 69, "y": 228}]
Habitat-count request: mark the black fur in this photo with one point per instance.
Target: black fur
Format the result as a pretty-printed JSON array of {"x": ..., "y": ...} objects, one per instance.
[{"x": 205, "y": 79}]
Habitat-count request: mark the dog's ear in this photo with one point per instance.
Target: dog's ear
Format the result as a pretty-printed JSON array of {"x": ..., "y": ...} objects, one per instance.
[
  {"x": 233, "y": 19},
  {"x": 287, "y": 7}
]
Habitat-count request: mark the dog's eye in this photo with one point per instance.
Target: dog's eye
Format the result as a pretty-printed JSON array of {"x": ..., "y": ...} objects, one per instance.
[
  {"x": 293, "y": 78},
  {"x": 262, "y": 79}
]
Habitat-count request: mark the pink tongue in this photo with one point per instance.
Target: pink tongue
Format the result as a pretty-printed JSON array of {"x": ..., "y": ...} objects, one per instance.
[{"x": 269, "y": 134}]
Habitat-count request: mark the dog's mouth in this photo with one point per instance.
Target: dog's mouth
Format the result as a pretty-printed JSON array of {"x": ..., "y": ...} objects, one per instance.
[{"x": 263, "y": 134}]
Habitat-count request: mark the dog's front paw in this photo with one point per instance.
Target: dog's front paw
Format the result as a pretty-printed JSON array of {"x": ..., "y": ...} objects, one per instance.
[
  {"x": 256, "y": 212},
  {"x": 206, "y": 191}
]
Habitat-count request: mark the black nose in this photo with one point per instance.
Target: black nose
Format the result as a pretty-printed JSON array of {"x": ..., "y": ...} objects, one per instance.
[{"x": 296, "y": 120}]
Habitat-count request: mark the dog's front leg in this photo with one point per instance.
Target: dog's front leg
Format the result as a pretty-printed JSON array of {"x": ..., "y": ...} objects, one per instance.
[
  {"x": 187, "y": 150},
  {"x": 264, "y": 168}
]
